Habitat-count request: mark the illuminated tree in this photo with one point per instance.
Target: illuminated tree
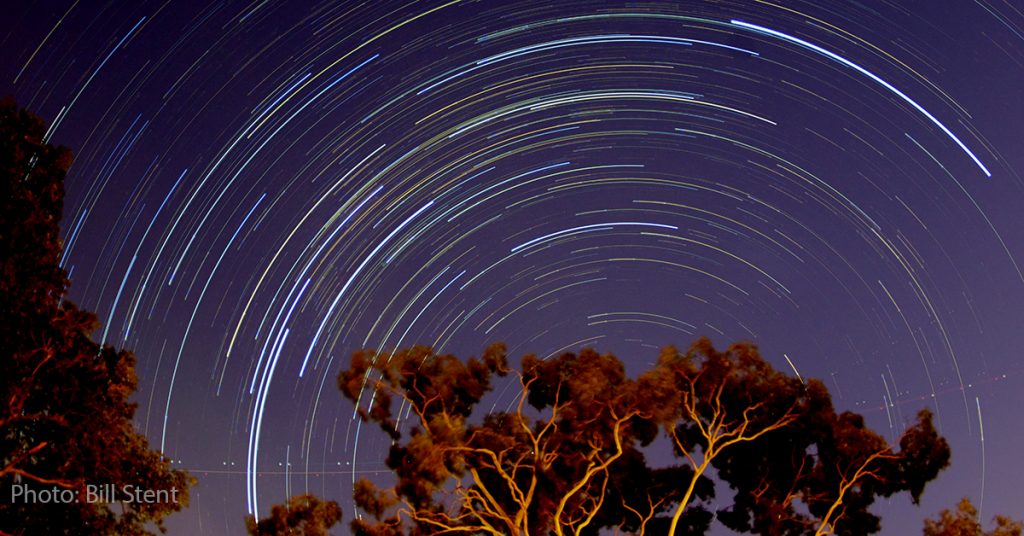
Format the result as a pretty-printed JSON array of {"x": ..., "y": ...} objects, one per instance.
[
  {"x": 965, "y": 522},
  {"x": 571, "y": 455},
  {"x": 302, "y": 515},
  {"x": 565, "y": 459},
  {"x": 65, "y": 415},
  {"x": 712, "y": 402}
]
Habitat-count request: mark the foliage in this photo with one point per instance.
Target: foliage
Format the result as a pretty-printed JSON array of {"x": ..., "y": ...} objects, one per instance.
[
  {"x": 964, "y": 522},
  {"x": 820, "y": 473},
  {"x": 66, "y": 418},
  {"x": 712, "y": 402},
  {"x": 571, "y": 455},
  {"x": 302, "y": 515},
  {"x": 511, "y": 473}
]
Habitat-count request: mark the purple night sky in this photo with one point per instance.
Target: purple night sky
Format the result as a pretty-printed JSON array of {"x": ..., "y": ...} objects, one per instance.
[{"x": 261, "y": 188}]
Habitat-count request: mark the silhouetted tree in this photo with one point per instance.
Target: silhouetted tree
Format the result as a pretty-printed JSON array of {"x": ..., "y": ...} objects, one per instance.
[
  {"x": 577, "y": 461},
  {"x": 65, "y": 415},
  {"x": 302, "y": 515},
  {"x": 965, "y": 522}
]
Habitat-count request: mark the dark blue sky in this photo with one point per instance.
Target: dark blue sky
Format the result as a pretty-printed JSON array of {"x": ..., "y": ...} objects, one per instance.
[{"x": 261, "y": 188}]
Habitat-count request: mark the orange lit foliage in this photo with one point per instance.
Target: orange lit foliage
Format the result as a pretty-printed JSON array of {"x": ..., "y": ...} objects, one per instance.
[
  {"x": 965, "y": 522},
  {"x": 570, "y": 456},
  {"x": 304, "y": 515},
  {"x": 66, "y": 411}
]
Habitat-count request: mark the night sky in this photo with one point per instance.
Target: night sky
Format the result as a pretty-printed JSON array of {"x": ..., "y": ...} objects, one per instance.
[{"x": 261, "y": 188}]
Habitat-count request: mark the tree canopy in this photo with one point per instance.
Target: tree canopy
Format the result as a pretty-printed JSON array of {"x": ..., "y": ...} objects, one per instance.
[
  {"x": 66, "y": 416},
  {"x": 302, "y": 515},
  {"x": 964, "y": 522},
  {"x": 584, "y": 447}
]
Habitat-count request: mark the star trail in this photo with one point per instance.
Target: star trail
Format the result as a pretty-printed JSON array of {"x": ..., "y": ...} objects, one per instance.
[{"x": 259, "y": 189}]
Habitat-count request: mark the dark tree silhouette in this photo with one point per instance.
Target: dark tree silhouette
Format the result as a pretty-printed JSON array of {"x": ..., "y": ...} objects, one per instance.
[
  {"x": 965, "y": 522},
  {"x": 302, "y": 515},
  {"x": 571, "y": 455},
  {"x": 65, "y": 415}
]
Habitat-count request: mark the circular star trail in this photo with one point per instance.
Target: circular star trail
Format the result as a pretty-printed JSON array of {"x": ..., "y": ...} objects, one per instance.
[{"x": 262, "y": 188}]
